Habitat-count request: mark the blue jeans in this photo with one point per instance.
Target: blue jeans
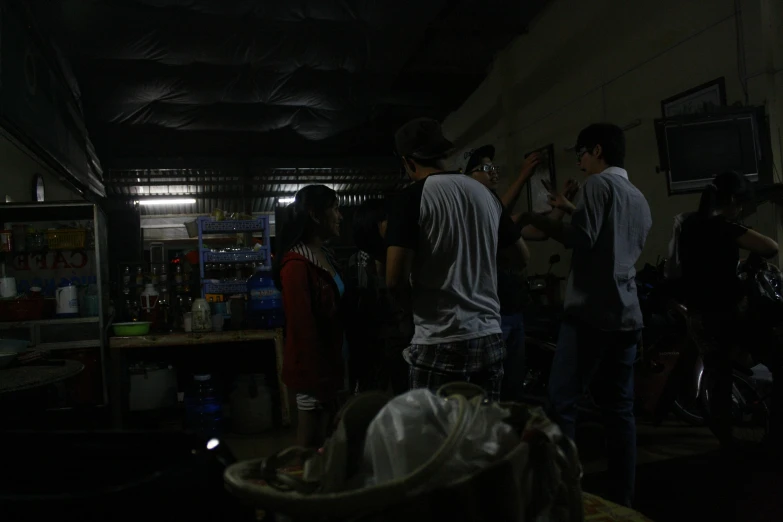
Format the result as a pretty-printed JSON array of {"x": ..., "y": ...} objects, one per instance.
[
  {"x": 586, "y": 357},
  {"x": 514, "y": 369}
]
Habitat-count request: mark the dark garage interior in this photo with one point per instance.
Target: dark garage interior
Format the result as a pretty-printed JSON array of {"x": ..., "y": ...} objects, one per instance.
[{"x": 158, "y": 162}]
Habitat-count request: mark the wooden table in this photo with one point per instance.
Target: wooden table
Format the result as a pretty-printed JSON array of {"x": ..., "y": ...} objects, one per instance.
[
  {"x": 23, "y": 378},
  {"x": 119, "y": 345}
]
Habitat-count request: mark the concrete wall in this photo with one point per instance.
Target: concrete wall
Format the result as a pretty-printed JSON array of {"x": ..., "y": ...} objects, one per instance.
[
  {"x": 18, "y": 166},
  {"x": 615, "y": 61}
]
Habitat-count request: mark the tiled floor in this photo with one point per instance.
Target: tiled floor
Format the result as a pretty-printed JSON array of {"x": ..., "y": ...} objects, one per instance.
[
  {"x": 672, "y": 439},
  {"x": 257, "y": 446}
]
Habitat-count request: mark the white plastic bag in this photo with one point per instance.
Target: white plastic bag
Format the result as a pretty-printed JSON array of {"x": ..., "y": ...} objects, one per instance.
[{"x": 412, "y": 427}]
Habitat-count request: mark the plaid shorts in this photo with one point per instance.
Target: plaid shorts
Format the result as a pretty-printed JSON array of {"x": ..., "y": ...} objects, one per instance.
[
  {"x": 305, "y": 402},
  {"x": 308, "y": 402},
  {"x": 478, "y": 361}
]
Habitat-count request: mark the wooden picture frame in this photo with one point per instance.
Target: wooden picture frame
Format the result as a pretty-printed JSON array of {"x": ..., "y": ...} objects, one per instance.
[
  {"x": 696, "y": 100},
  {"x": 537, "y": 194}
]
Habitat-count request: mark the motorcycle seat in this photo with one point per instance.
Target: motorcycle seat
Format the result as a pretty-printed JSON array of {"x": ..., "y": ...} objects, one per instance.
[{"x": 743, "y": 369}]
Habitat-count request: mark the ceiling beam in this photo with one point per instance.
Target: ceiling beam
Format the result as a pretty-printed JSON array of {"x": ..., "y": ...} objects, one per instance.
[
  {"x": 355, "y": 163},
  {"x": 194, "y": 163},
  {"x": 238, "y": 195},
  {"x": 258, "y": 181}
]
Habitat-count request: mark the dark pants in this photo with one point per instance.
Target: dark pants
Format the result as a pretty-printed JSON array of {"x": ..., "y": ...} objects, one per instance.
[
  {"x": 514, "y": 369},
  {"x": 586, "y": 357},
  {"x": 378, "y": 371},
  {"x": 395, "y": 373}
]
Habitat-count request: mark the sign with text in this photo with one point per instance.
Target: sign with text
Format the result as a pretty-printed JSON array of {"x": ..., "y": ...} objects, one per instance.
[{"x": 51, "y": 269}]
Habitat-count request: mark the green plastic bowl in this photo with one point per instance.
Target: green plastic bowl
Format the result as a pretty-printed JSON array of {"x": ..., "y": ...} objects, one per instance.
[{"x": 131, "y": 329}]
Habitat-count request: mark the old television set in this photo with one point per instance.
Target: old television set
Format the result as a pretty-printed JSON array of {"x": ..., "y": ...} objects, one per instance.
[{"x": 694, "y": 149}]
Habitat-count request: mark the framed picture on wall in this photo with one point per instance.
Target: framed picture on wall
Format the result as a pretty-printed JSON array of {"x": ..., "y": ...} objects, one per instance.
[
  {"x": 700, "y": 99},
  {"x": 537, "y": 194}
]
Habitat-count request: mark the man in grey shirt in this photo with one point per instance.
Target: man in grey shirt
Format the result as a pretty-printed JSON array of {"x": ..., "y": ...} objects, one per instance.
[
  {"x": 443, "y": 237},
  {"x": 602, "y": 325}
]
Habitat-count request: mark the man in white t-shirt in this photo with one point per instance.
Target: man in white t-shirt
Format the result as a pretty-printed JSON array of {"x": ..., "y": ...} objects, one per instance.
[{"x": 442, "y": 256}]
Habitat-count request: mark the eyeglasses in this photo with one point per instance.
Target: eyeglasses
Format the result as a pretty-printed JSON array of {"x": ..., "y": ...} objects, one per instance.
[
  {"x": 488, "y": 168},
  {"x": 581, "y": 151}
]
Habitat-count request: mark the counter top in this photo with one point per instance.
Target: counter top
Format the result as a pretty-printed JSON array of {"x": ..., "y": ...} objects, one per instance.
[
  {"x": 48, "y": 322},
  {"x": 185, "y": 339}
]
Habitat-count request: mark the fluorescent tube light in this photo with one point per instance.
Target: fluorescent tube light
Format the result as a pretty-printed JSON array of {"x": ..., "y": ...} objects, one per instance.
[{"x": 158, "y": 202}]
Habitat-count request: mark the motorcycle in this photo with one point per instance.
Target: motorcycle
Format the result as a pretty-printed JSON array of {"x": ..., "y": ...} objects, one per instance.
[
  {"x": 752, "y": 382},
  {"x": 542, "y": 321},
  {"x": 661, "y": 385}
]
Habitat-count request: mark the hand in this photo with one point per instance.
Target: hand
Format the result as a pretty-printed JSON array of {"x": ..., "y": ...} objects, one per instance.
[
  {"x": 561, "y": 200},
  {"x": 530, "y": 164},
  {"x": 570, "y": 189},
  {"x": 524, "y": 219}
]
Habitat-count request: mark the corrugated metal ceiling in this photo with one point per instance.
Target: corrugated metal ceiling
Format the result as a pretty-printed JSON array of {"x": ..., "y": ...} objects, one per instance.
[{"x": 232, "y": 191}]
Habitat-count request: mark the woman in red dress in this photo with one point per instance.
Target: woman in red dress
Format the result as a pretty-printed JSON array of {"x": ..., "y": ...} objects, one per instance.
[{"x": 306, "y": 273}]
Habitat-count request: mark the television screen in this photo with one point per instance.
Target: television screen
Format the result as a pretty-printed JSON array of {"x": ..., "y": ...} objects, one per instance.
[{"x": 697, "y": 151}]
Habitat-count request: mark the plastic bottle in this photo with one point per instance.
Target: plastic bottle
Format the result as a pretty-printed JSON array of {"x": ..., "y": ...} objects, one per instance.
[
  {"x": 265, "y": 304},
  {"x": 126, "y": 281},
  {"x": 203, "y": 409}
]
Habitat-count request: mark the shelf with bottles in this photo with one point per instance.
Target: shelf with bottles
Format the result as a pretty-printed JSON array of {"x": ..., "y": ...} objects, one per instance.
[
  {"x": 53, "y": 242},
  {"x": 209, "y": 225},
  {"x": 236, "y": 255},
  {"x": 225, "y": 287},
  {"x": 233, "y": 271},
  {"x": 136, "y": 276},
  {"x": 225, "y": 271}
]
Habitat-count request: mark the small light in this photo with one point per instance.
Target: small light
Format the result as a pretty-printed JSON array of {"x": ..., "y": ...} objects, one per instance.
[
  {"x": 212, "y": 444},
  {"x": 157, "y": 202},
  {"x": 286, "y": 200}
]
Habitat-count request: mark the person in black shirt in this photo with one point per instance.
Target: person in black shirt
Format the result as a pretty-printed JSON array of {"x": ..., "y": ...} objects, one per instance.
[
  {"x": 709, "y": 248},
  {"x": 512, "y": 281},
  {"x": 380, "y": 329}
]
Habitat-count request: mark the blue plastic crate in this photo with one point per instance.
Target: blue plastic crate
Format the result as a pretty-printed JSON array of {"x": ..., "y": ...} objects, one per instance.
[
  {"x": 233, "y": 287},
  {"x": 208, "y": 225},
  {"x": 249, "y": 256}
]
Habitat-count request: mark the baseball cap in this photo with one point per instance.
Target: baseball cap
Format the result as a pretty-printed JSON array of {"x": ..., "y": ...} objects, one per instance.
[
  {"x": 485, "y": 151},
  {"x": 422, "y": 138}
]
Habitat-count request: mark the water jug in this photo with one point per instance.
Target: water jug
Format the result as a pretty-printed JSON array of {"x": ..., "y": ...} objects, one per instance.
[
  {"x": 265, "y": 303},
  {"x": 203, "y": 409}
]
